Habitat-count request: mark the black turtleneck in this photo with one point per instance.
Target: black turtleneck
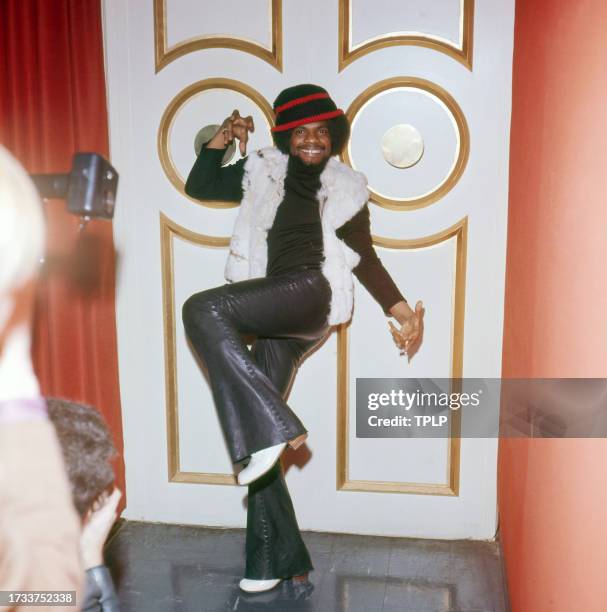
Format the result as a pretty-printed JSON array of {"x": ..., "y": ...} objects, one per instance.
[{"x": 295, "y": 238}]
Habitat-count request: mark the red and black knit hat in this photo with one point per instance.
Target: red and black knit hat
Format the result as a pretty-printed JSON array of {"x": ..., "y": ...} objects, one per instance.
[{"x": 303, "y": 104}]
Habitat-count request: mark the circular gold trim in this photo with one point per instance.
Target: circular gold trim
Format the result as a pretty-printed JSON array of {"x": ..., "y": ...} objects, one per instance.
[
  {"x": 166, "y": 124},
  {"x": 462, "y": 127},
  {"x": 165, "y": 55},
  {"x": 347, "y": 55}
]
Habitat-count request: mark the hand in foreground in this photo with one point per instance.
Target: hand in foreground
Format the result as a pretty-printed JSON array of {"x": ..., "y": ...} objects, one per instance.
[
  {"x": 96, "y": 527},
  {"x": 237, "y": 127},
  {"x": 409, "y": 337}
]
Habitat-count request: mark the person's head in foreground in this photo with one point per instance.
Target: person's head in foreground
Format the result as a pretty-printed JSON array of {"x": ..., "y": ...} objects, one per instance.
[
  {"x": 308, "y": 125},
  {"x": 22, "y": 232},
  {"x": 22, "y": 239},
  {"x": 87, "y": 450}
]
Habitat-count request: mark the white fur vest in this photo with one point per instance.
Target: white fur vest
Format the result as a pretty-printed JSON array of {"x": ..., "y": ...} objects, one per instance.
[{"x": 343, "y": 192}]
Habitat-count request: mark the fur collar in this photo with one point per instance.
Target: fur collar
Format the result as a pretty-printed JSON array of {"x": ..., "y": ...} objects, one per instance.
[{"x": 341, "y": 186}]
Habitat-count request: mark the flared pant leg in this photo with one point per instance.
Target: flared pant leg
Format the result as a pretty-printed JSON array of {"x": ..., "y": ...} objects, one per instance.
[
  {"x": 252, "y": 411},
  {"x": 288, "y": 314},
  {"x": 274, "y": 546}
]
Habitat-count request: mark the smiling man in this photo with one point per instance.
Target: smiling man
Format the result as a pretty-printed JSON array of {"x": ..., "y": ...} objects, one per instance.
[
  {"x": 311, "y": 142},
  {"x": 302, "y": 230}
]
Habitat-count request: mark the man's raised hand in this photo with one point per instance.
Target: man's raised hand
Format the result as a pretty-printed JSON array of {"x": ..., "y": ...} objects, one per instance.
[{"x": 237, "y": 127}]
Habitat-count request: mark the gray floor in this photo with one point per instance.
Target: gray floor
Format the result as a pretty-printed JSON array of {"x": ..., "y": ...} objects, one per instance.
[{"x": 172, "y": 568}]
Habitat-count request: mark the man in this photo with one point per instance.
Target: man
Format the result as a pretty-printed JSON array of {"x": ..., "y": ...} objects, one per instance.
[{"x": 301, "y": 232}]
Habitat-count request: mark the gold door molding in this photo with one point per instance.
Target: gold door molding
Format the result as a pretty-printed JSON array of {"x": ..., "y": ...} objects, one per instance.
[
  {"x": 168, "y": 230},
  {"x": 458, "y": 117},
  {"x": 165, "y": 54},
  {"x": 166, "y": 124},
  {"x": 459, "y": 232},
  {"x": 462, "y": 54}
]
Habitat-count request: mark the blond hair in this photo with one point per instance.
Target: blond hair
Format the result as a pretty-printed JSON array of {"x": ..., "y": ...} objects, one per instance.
[{"x": 22, "y": 227}]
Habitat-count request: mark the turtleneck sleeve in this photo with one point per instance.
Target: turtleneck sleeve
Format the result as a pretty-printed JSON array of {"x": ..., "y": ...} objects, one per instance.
[
  {"x": 208, "y": 180},
  {"x": 370, "y": 271}
]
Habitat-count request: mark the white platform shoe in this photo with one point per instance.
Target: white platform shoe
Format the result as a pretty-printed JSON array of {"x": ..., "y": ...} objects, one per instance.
[
  {"x": 263, "y": 460},
  {"x": 258, "y": 586},
  {"x": 260, "y": 463}
]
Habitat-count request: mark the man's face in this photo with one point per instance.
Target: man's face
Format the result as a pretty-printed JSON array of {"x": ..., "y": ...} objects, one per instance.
[{"x": 311, "y": 142}]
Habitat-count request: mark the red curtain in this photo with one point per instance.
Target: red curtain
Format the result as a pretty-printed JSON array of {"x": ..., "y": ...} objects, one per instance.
[{"x": 52, "y": 104}]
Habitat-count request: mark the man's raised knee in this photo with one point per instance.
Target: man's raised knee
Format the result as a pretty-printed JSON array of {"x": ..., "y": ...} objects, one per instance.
[{"x": 198, "y": 307}]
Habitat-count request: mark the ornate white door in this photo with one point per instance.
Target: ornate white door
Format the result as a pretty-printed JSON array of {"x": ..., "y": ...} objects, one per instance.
[{"x": 427, "y": 86}]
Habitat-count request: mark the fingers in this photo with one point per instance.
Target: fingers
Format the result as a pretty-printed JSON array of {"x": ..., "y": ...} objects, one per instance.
[
  {"x": 238, "y": 127},
  {"x": 413, "y": 347},
  {"x": 246, "y": 126},
  {"x": 99, "y": 501},
  {"x": 397, "y": 336},
  {"x": 244, "y": 138},
  {"x": 114, "y": 499},
  {"x": 108, "y": 506},
  {"x": 409, "y": 337},
  {"x": 396, "y": 333},
  {"x": 227, "y": 127},
  {"x": 228, "y": 132},
  {"x": 416, "y": 341},
  {"x": 242, "y": 127},
  {"x": 96, "y": 528}
]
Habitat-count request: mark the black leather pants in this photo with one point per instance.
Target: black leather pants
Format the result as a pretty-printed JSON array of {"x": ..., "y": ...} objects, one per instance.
[{"x": 288, "y": 314}]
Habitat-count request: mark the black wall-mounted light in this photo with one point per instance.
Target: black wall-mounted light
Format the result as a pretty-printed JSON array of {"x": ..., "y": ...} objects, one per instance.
[{"x": 89, "y": 188}]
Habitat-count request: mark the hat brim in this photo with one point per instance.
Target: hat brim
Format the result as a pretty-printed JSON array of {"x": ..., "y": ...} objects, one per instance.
[{"x": 321, "y": 117}]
